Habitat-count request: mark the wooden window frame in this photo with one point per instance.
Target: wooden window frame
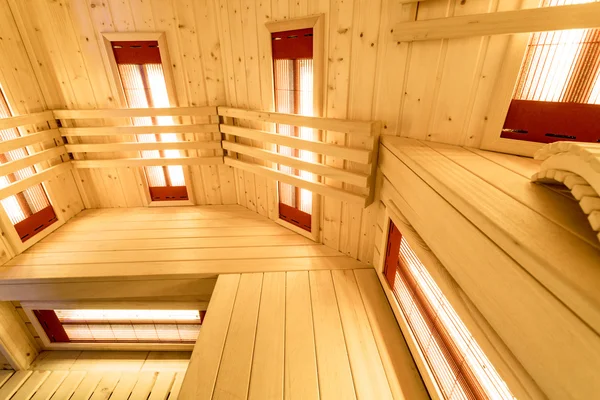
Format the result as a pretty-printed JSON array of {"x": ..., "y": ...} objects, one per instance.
[
  {"x": 10, "y": 238},
  {"x": 121, "y": 102},
  {"x": 30, "y": 306},
  {"x": 316, "y": 23}
]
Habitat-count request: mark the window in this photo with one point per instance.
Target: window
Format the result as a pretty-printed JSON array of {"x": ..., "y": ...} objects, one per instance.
[
  {"x": 29, "y": 211},
  {"x": 458, "y": 365},
  {"x": 558, "y": 90},
  {"x": 143, "y": 81},
  {"x": 120, "y": 326},
  {"x": 293, "y": 84}
]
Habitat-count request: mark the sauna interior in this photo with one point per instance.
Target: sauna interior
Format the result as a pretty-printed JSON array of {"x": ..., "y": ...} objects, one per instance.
[{"x": 299, "y": 199}]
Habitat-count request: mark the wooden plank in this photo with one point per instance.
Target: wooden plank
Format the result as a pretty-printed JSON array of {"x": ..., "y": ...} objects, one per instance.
[
  {"x": 367, "y": 368},
  {"x": 106, "y": 386},
  {"x": 146, "y": 162},
  {"x": 170, "y": 361},
  {"x": 266, "y": 379},
  {"x": 69, "y": 385},
  {"x": 27, "y": 161},
  {"x": 143, "y": 387},
  {"x": 138, "y": 130},
  {"x": 543, "y": 248},
  {"x": 333, "y": 365},
  {"x": 135, "y": 112},
  {"x": 176, "y": 389},
  {"x": 21, "y": 120},
  {"x": 36, "y": 379},
  {"x": 4, "y": 376},
  {"x": 34, "y": 179},
  {"x": 317, "y": 187},
  {"x": 201, "y": 375},
  {"x": 28, "y": 140},
  {"x": 109, "y": 361},
  {"x": 329, "y": 149},
  {"x": 50, "y": 385},
  {"x": 517, "y": 306},
  {"x": 55, "y": 360},
  {"x": 233, "y": 379},
  {"x": 139, "y": 146},
  {"x": 555, "y": 18},
  {"x": 162, "y": 387},
  {"x": 402, "y": 374},
  {"x": 301, "y": 379},
  {"x": 355, "y": 178},
  {"x": 14, "y": 383},
  {"x": 16, "y": 343},
  {"x": 124, "y": 386},
  {"x": 328, "y": 124}
]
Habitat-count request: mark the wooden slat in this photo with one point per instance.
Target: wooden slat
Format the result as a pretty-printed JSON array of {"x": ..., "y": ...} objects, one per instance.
[
  {"x": 316, "y": 187},
  {"x": 234, "y": 372},
  {"x": 85, "y": 225},
  {"x": 146, "y": 162},
  {"x": 326, "y": 124},
  {"x": 140, "y": 146},
  {"x": 367, "y": 369},
  {"x": 27, "y": 161},
  {"x": 39, "y": 177},
  {"x": 125, "y": 386},
  {"x": 347, "y": 153},
  {"x": 87, "y": 386},
  {"x": 201, "y": 375},
  {"x": 402, "y": 375},
  {"x": 50, "y": 385},
  {"x": 555, "y": 18},
  {"x": 14, "y": 383},
  {"x": 358, "y": 179},
  {"x": 106, "y": 386},
  {"x": 301, "y": 379},
  {"x": 266, "y": 380},
  {"x": 135, "y": 112},
  {"x": 21, "y": 120},
  {"x": 139, "y": 130},
  {"x": 4, "y": 376},
  {"x": 333, "y": 366},
  {"x": 162, "y": 387},
  {"x": 18, "y": 347},
  {"x": 69, "y": 385},
  {"x": 143, "y": 387},
  {"x": 35, "y": 380},
  {"x": 176, "y": 389},
  {"x": 28, "y": 140}
]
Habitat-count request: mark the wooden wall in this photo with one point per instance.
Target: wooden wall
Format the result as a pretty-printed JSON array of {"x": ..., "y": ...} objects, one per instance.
[{"x": 432, "y": 90}]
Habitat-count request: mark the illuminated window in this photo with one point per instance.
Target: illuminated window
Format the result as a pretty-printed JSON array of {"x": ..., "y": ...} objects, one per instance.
[
  {"x": 143, "y": 80},
  {"x": 121, "y": 326},
  {"x": 558, "y": 90},
  {"x": 457, "y": 363},
  {"x": 30, "y": 210},
  {"x": 293, "y": 84}
]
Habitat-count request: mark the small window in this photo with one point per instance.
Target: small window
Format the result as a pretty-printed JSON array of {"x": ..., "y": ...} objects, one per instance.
[
  {"x": 557, "y": 96},
  {"x": 458, "y": 365},
  {"x": 143, "y": 80},
  {"x": 120, "y": 326},
  {"x": 293, "y": 85},
  {"x": 30, "y": 210}
]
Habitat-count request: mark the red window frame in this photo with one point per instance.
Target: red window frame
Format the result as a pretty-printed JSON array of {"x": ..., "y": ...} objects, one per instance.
[
  {"x": 293, "y": 45},
  {"x": 56, "y": 333},
  {"x": 36, "y": 222},
  {"x": 140, "y": 53}
]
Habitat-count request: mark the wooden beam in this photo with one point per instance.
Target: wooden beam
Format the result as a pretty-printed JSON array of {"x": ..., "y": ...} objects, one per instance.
[
  {"x": 27, "y": 161},
  {"x": 16, "y": 343},
  {"x": 577, "y": 16},
  {"x": 21, "y": 120},
  {"x": 357, "y": 155},
  {"x": 34, "y": 179},
  {"x": 326, "y": 124},
  {"x": 146, "y": 162},
  {"x": 353, "y": 178},
  {"x": 138, "y": 130},
  {"x": 28, "y": 140},
  {"x": 317, "y": 187},
  {"x": 136, "y": 112},
  {"x": 140, "y": 146}
]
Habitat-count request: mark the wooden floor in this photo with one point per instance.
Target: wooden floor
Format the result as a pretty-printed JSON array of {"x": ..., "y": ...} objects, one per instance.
[
  {"x": 168, "y": 242},
  {"x": 303, "y": 334},
  {"x": 98, "y": 375}
]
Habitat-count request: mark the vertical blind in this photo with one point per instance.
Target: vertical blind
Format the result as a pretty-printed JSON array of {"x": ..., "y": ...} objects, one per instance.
[
  {"x": 457, "y": 363},
  {"x": 27, "y": 203}
]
